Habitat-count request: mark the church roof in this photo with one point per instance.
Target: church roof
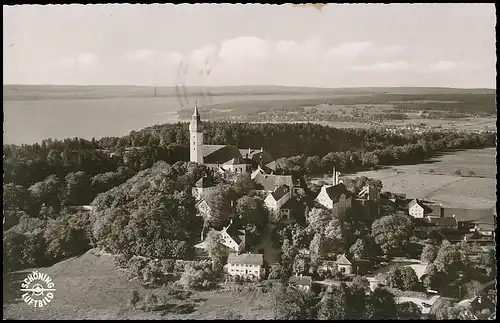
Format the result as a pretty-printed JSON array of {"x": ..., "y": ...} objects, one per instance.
[
  {"x": 336, "y": 191},
  {"x": 219, "y": 154},
  {"x": 235, "y": 161}
]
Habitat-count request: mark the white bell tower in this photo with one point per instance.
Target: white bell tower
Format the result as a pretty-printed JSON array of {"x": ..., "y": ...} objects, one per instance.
[{"x": 196, "y": 137}]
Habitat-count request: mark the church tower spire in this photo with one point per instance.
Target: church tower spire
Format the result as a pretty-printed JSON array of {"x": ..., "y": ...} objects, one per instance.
[{"x": 196, "y": 137}]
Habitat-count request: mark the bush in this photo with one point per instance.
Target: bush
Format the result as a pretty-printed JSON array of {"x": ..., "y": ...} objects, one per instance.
[
  {"x": 134, "y": 298},
  {"x": 150, "y": 302},
  {"x": 457, "y": 172},
  {"x": 168, "y": 265}
]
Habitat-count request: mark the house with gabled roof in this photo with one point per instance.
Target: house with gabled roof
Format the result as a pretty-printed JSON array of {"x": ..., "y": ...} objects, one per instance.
[
  {"x": 203, "y": 187},
  {"x": 336, "y": 198},
  {"x": 418, "y": 209},
  {"x": 270, "y": 182},
  {"x": 231, "y": 237},
  {"x": 246, "y": 265},
  {"x": 275, "y": 201},
  {"x": 342, "y": 263}
]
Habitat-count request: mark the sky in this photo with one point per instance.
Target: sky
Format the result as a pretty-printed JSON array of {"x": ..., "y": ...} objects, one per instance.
[{"x": 445, "y": 45}]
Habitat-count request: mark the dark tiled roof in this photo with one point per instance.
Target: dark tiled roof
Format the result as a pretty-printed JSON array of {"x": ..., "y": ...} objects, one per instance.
[
  {"x": 446, "y": 222},
  {"x": 236, "y": 234},
  {"x": 204, "y": 182},
  {"x": 209, "y": 149},
  {"x": 218, "y": 154},
  {"x": 436, "y": 209},
  {"x": 270, "y": 182},
  {"x": 280, "y": 192},
  {"x": 471, "y": 215},
  {"x": 256, "y": 155},
  {"x": 335, "y": 192},
  {"x": 246, "y": 259},
  {"x": 293, "y": 203},
  {"x": 301, "y": 280},
  {"x": 235, "y": 161},
  {"x": 433, "y": 219}
]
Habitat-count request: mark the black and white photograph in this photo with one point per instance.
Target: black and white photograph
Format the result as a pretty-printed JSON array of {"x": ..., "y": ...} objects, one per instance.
[{"x": 249, "y": 161}]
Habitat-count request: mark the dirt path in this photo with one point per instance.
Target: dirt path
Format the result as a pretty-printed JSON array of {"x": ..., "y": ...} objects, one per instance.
[{"x": 445, "y": 185}]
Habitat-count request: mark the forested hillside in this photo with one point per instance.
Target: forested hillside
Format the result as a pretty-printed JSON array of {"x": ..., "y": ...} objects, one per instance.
[{"x": 153, "y": 213}]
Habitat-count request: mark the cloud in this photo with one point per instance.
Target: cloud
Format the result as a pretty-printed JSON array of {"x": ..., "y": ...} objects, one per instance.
[
  {"x": 391, "y": 49},
  {"x": 82, "y": 61},
  {"x": 200, "y": 56},
  {"x": 385, "y": 67},
  {"x": 348, "y": 50},
  {"x": 444, "y": 66},
  {"x": 245, "y": 48},
  {"x": 308, "y": 51},
  {"x": 142, "y": 54},
  {"x": 171, "y": 58}
]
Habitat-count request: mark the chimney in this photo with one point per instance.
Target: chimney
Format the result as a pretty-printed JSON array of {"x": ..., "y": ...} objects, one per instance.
[
  {"x": 261, "y": 149},
  {"x": 453, "y": 215},
  {"x": 249, "y": 151},
  {"x": 337, "y": 178},
  {"x": 300, "y": 275},
  {"x": 334, "y": 179},
  {"x": 296, "y": 275}
]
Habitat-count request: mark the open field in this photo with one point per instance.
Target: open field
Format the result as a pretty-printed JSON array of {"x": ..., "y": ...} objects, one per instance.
[
  {"x": 88, "y": 287},
  {"x": 442, "y": 186},
  {"x": 33, "y": 113}
]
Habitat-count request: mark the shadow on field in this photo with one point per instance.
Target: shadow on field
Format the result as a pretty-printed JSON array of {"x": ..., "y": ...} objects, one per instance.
[
  {"x": 176, "y": 308},
  {"x": 12, "y": 285}
]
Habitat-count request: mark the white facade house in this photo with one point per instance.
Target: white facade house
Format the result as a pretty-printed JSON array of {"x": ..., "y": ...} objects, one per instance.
[
  {"x": 246, "y": 265},
  {"x": 275, "y": 201},
  {"x": 231, "y": 238},
  {"x": 416, "y": 209}
]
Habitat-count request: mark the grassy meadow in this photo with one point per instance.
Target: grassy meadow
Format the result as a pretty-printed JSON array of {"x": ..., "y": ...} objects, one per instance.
[
  {"x": 435, "y": 180},
  {"x": 89, "y": 287}
]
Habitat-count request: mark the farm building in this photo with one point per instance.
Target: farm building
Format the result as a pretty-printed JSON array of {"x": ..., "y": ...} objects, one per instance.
[{"x": 246, "y": 265}]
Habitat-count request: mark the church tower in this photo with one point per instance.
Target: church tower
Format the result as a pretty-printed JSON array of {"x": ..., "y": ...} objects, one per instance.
[{"x": 195, "y": 137}]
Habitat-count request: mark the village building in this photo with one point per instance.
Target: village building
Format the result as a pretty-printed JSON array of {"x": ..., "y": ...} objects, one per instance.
[
  {"x": 231, "y": 237},
  {"x": 335, "y": 197},
  {"x": 246, "y": 265},
  {"x": 300, "y": 282},
  {"x": 418, "y": 209},
  {"x": 275, "y": 202},
  {"x": 342, "y": 264},
  {"x": 267, "y": 183},
  {"x": 222, "y": 158},
  {"x": 203, "y": 187},
  {"x": 482, "y": 221}
]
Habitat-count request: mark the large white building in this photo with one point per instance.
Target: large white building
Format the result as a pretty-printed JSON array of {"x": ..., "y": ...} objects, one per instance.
[{"x": 246, "y": 265}]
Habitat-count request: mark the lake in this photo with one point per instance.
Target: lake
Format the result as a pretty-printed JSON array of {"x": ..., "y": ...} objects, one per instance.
[{"x": 34, "y": 120}]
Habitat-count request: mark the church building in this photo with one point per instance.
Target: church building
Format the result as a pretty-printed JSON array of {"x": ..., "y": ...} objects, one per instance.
[{"x": 223, "y": 158}]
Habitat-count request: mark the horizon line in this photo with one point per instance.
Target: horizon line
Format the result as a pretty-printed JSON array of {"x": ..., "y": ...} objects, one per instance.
[{"x": 259, "y": 85}]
